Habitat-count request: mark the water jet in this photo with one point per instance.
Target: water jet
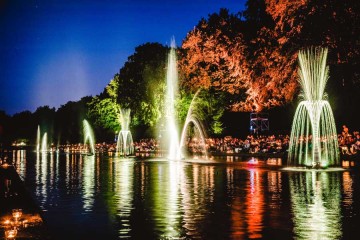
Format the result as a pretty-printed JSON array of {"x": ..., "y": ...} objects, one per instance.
[{"x": 313, "y": 140}]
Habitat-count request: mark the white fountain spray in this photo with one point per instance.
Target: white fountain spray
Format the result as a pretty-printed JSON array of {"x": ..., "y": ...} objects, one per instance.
[
  {"x": 89, "y": 136},
  {"x": 125, "y": 142},
  {"x": 44, "y": 143},
  {"x": 313, "y": 140},
  {"x": 38, "y": 139},
  {"x": 191, "y": 117},
  {"x": 171, "y": 92},
  {"x": 172, "y": 137}
]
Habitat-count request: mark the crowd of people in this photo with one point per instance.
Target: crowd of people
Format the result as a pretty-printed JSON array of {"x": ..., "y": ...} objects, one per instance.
[
  {"x": 349, "y": 144},
  {"x": 228, "y": 144}
]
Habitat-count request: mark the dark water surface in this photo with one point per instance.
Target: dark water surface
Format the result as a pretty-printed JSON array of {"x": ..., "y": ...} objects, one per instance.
[{"x": 104, "y": 197}]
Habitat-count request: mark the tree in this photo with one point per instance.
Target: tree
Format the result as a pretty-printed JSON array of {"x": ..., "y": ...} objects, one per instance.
[
  {"x": 214, "y": 55},
  {"x": 105, "y": 113},
  {"x": 141, "y": 83},
  {"x": 68, "y": 121},
  {"x": 208, "y": 107},
  {"x": 4, "y": 125},
  {"x": 139, "y": 86},
  {"x": 219, "y": 53}
]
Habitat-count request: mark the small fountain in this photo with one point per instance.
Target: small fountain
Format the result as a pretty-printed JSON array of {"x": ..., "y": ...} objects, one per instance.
[
  {"x": 44, "y": 147},
  {"x": 191, "y": 117},
  {"x": 125, "y": 142},
  {"x": 38, "y": 139},
  {"x": 89, "y": 137},
  {"x": 313, "y": 140}
]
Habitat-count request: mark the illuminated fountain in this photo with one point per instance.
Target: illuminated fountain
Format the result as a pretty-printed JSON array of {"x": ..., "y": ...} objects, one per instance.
[
  {"x": 125, "y": 142},
  {"x": 89, "y": 136},
  {"x": 171, "y": 91},
  {"x": 313, "y": 140},
  {"x": 172, "y": 136},
  {"x": 191, "y": 118},
  {"x": 44, "y": 143},
  {"x": 38, "y": 139}
]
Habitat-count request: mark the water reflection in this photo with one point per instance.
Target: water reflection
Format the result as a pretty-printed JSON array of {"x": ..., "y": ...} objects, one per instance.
[
  {"x": 198, "y": 191},
  {"x": 348, "y": 190},
  {"x": 19, "y": 157},
  {"x": 159, "y": 199},
  {"x": 254, "y": 205},
  {"x": 88, "y": 182},
  {"x": 123, "y": 189},
  {"x": 166, "y": 209},
  {"x": 315, "y": 198},
  {"x": 247, "y": 206}
]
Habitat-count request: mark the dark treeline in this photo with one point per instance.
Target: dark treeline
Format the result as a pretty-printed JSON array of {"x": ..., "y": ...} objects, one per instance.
[{"x": 62, "y": 126}]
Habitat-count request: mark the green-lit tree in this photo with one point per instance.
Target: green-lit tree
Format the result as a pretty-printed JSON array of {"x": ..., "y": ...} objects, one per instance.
[
  {"x": 208, "y": 107},
  {"x": 139, "y": 86}
]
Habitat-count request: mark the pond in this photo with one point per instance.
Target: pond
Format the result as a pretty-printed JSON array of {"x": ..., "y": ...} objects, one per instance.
[{"x": 107, "y": 197}]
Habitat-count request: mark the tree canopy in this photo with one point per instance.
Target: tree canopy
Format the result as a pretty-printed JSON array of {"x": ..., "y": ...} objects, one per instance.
[{"x": 253, "y": 55}]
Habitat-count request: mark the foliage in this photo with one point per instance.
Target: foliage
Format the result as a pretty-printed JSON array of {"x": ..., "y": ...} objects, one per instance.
[
  {"x": 138, "y": 86},
  {"x": 255, "y": 59},
  {"x": 141, "y": 83},
  {"x": 207, "y": 106},
  {"x": 105, "y": 113},
  {"x": 211, "y": 54},
  {"x": 68, "y": 121}
]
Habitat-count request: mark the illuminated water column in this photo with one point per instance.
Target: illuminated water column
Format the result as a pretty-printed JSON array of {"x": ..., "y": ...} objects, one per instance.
[
  {"x": 38, "y": 139},
  {"x": 313, "y": 140},
  {"x": 89, "y": 136},
  {"x": 172, "y": 136},
  {"x": 44, "y": 147}
]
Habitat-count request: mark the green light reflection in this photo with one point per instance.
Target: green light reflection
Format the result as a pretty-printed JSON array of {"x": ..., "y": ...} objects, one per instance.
[{"x": 315, "y": 198}]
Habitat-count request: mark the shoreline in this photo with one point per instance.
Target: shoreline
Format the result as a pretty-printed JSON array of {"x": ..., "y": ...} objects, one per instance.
[{"x": 14, "y": 196}]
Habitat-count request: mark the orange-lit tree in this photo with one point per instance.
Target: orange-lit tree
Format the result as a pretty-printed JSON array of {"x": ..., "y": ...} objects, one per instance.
[{"x": 253, "y": 55}]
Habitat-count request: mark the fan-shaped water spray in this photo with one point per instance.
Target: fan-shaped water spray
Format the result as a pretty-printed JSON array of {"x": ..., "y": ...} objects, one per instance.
[
  {"x": 192, "y": 118},
  {"x": 125, "y": 144},
  {"x": 89, "y": 136},
  {"x": 313, "y": 140}
]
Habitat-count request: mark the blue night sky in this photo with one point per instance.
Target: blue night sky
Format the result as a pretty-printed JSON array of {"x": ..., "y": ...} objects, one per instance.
[{"x": 55, "y": 51}]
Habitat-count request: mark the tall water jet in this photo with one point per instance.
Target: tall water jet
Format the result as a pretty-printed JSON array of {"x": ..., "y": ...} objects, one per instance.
[
  {"x": 191, "y": 117},
  {"x": 89, "y": 136},
  {"x": 172, "y": 137},
  {"x": 313, "y": 140},
  {"x": 125, "y": 145},
  {"x": 38, "y": 139},
  {"x": 44, "y": 147}
]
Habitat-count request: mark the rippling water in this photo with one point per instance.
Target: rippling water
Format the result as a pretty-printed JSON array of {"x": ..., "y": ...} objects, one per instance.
[{"x": 104, "y": 197}]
